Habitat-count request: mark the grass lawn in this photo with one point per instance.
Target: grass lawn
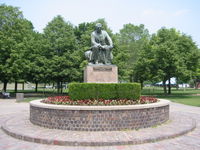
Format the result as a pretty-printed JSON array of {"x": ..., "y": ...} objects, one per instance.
[
  {"x": 159, "y": 91},
  {"x": 184, "y": 99},
  {"x": 187, "y": 96}
]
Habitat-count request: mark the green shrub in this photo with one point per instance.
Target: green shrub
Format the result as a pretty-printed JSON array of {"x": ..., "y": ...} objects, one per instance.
[
  {"x": 78, "y": 91},
  {"x": 128, "y": 90}
]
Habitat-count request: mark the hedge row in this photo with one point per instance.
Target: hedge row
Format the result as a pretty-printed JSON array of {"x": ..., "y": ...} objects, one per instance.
[{"x": 78, "y": 91}]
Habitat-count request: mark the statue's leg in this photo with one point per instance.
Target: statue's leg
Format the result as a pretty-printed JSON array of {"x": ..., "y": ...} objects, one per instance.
[
  {"x": 94, "y": 57},
  {"x": 102, "y": 56},
  {"x": 108, "y": 56},
  {"x": 88, "y": 55}
]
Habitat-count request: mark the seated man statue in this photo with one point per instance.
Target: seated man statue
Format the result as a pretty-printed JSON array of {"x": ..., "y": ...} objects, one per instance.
[{"x": 102, "y": 45}]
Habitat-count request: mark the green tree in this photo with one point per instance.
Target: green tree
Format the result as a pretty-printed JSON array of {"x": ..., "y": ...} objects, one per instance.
[
  {"x": 175, "y": 54},
  {"x": 131, "y": 40},
  {"x": 63, "y": 56},
  {"x": 196, "y": 78},
  {"x": 196, "y": 75},
  {"x": 37, "y": 61},
  {"x": 14, "y": 33},
  {"x": 82, "y": 33},
  {"x": 144, "y": 68}
]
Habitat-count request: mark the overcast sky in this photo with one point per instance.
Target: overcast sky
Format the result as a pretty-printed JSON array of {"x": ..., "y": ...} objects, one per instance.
[{"x": 184, "y": 15}]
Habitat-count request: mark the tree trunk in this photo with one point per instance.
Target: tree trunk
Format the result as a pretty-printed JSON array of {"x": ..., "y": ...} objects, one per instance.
[
  {"x": 23, "y": 86},
  {"x": 36, "y": 87},
  {"x": 169, "y": 86},
  {"x": 164, "y": 87},
  {"x": 142, "y": 84},
  {"x": 15, "y": 86},
  {"x": 61, "y": 91},
  {"x": 196, "y": 84},
  {"x": 58, "y": 86},
  {"x": 131, "y": 78},
  {"x": 177, "y": 82},
  {"x": 5, "y": 86}
]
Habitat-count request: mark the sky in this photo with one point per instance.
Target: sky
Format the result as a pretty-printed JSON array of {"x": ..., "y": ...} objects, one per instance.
[{"x": 184, "y": 15}]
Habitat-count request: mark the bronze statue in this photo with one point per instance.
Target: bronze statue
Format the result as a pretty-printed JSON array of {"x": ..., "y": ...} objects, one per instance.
[{"x": 101, "y": 50}]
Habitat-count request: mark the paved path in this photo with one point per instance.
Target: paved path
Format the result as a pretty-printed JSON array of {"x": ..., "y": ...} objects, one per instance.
[{"x": 190, "y": 141}]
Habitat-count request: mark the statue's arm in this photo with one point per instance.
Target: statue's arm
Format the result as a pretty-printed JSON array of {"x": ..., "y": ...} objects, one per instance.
[
  {"x": 109, "y": 40},
  {"x": 94, "y": 43}
]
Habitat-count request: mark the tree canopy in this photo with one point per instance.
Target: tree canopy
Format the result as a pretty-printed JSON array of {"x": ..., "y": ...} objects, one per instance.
[
  {"x": 15, "y": 31},
  {"x": 131, "y": 40},
  {"x": 57, "y": 54},
  {"x": 170, "y": 54}
]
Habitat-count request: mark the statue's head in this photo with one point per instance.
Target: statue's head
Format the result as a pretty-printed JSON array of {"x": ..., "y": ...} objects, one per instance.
[{"x": 98, "y": 27}]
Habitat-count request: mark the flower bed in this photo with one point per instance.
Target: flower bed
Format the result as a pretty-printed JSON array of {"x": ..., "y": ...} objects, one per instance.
[{"x": 65, "y": 100}]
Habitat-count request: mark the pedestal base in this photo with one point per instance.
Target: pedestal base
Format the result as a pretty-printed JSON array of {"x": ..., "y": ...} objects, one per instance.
[{"x": 101, "y": 74}]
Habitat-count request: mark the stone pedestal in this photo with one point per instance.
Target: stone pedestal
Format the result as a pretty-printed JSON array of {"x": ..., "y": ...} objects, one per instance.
[
  {"x": 101, "y": 74},
  {"x": 19, "y": 96}
]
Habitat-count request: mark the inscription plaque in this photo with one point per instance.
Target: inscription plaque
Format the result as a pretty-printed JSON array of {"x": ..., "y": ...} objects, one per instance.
[
  {"x": 102, "y": 69},
  {"x": 101, "y": 74}
]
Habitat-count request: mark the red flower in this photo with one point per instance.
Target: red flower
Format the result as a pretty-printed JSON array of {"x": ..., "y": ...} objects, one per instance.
[{"x": 65, "y": 100}]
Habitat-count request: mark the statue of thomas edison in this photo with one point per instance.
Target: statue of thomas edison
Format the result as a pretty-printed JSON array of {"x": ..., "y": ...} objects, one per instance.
[{"x": 102, "y": 45}]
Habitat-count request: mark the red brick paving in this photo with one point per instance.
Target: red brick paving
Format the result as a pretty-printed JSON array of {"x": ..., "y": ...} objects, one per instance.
[{"x": 190, "y": 141}]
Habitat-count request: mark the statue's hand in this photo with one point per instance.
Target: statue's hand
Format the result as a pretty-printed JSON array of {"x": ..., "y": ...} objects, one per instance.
[
  {"x": 107, "y": 47},
  {"x": 100, "y": 46},
  {"x": 110, "y": 47},
  {"x": 103, "y": 47}
]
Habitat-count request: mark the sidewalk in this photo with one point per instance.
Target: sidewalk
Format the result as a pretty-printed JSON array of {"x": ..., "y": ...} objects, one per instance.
[{"x": 190, "y": 141}]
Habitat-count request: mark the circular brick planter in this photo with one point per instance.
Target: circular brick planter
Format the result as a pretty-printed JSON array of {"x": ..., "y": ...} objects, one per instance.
[{"x": 98, "y": 118}]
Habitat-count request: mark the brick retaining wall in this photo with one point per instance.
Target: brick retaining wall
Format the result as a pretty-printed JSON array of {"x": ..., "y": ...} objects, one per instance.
[{"x": 78, "y": 119}]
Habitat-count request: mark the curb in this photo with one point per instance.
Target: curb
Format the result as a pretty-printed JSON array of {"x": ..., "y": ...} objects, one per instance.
[{"x": 172, "y": 133}]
